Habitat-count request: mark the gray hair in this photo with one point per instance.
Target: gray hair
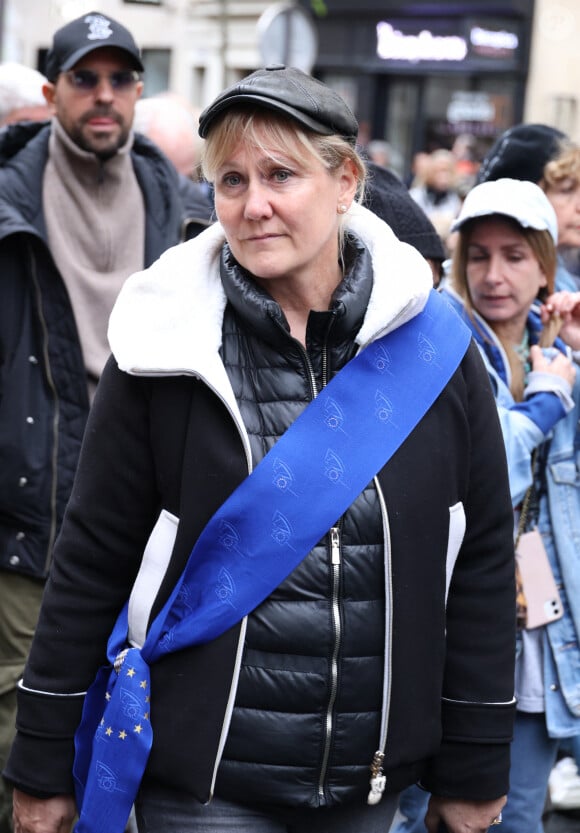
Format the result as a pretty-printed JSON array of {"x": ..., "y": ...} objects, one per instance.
[{"x": 20, "y": 86}]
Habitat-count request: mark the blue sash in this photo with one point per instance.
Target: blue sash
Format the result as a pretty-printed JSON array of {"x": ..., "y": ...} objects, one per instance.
[{"x": 258, "y": 536}]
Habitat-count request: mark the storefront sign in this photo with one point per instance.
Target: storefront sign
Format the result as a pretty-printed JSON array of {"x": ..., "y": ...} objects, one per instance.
[
  {"x": 393, "y": 45},
  {"x": 407, "y": 42},
  {"x": 493, "y": 44}
]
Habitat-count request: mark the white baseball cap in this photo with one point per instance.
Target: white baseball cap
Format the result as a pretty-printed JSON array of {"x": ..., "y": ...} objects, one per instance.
[{"x": 523, "y": 201}]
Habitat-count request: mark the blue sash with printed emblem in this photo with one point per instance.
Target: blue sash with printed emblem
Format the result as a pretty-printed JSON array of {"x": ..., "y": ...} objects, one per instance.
[{"x": 258, "y": 536}]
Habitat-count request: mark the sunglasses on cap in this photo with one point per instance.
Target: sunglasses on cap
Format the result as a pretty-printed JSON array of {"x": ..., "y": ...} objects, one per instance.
[{"x": 86, "y": 80}]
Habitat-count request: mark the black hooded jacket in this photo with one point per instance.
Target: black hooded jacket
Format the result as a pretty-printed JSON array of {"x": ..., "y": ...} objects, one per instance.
[{"x": 43, "y": 386}]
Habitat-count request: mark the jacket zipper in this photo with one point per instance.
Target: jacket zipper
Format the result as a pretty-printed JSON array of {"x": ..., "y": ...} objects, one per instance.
[
  {"x": 335, "y": 561},
  {"x": 310, "y": 370},
  {"x": 56, "y": 416},
  {"x": 378, "y": 780}
]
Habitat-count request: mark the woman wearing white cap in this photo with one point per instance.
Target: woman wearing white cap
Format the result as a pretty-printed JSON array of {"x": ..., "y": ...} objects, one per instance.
[{"x": 502, "y": 283}]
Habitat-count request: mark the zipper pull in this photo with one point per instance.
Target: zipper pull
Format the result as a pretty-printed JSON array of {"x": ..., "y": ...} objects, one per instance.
[
  {"x": 378, "y": 780},
  {"x": 335, "y": 545}
]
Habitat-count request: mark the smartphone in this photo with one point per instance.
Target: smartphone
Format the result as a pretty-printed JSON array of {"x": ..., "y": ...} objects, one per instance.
[{"x": 542, "y": 597}]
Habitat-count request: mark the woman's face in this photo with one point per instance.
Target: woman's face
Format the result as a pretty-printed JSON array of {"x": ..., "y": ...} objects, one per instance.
[
  {"x": 565, "y": 199},
  {"x": 280, "y": 216},
  {"x": 503, "y": 273}
]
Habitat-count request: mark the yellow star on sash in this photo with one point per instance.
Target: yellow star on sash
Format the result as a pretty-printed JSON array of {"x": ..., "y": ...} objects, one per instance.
[
  {"x": 131, "y": 672},
  {"x": 109, "y": 731},
  {"x": 138, "y": 728},
  {"x": 143, "y": 683},
  {"x": 122, "y": 734}
]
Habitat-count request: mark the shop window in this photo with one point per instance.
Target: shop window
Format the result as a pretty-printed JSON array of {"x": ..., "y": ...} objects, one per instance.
[
  {"x": 41, "y": 60},
  {"x": 157, "y": 64},
  {"x": 430, "y": 112},
  {"x": 198, "y": 81},
  {"x": 455, "y": 107},
  {"x": 400, "y": 126}
]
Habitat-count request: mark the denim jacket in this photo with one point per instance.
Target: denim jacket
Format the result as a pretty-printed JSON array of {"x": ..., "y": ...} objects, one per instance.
[
  {"x": 565, "y": 280},
  {"x": 549, "y": 419}
]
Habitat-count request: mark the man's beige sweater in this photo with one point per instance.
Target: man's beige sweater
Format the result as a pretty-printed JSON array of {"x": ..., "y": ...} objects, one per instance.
[{"x": 95, "y": 220}]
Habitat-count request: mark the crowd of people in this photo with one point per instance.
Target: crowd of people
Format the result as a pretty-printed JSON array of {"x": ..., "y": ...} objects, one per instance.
[{"x": 286, "y": 444}]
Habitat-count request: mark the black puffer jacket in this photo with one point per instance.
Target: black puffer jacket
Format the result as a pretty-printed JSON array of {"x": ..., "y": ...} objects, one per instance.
[
  {"x": 423, "y": 669},
  {"x": 295, "y": 715},
  {"x": 43, "y": 385}
]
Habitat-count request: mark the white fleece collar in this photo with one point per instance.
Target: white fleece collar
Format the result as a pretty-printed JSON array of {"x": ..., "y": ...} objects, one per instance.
[{"x": 168, "y": 318}]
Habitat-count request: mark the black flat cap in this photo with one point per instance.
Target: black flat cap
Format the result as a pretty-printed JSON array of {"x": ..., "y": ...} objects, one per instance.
[{"x": 291, "y": 92}]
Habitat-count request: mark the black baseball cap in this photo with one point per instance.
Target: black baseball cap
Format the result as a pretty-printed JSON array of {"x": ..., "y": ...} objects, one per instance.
[
  {"x": 289, "y": 91},
  {"x": 85, "y": 34}
]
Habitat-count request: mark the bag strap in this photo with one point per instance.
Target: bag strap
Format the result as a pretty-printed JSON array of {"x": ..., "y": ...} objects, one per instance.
[{"x": 525, "y": 510}]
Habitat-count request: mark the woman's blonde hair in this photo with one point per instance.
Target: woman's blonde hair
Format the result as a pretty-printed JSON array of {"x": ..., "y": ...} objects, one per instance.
[
  {"x": 565, "y": 166},
  {"x": 265, "y": 129},
  {"x": 543, "y": 247}
]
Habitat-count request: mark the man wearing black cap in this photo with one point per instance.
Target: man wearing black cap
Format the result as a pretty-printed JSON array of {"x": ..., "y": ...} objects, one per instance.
[
  {"x": 83, "y": 203},
  {"x": 93, "y": 123}
]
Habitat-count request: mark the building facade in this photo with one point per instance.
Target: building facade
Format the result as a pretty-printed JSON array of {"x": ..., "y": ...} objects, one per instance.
[
  {"x": 553, "y": 87},
  {"x": 416, "y": 73},
  {"x": 421, "y": 74},
  {"x": 192, "y": 47}
]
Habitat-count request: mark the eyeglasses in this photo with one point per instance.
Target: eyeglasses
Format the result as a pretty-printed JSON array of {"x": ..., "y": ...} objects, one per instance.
[{"x": 86, "y": 80}]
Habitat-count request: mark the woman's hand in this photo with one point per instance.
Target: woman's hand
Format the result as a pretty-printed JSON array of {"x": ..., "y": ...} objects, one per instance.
[
  {"x": 43, "y": 815},
  {"x": 559, "y": 365},
  {"x": 462, "y": 816},
  {"x": 567, "y": 306}
]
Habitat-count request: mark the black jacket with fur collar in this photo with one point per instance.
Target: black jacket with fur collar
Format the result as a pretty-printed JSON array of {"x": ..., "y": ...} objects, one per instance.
[{"x": 165, "y": 445}]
